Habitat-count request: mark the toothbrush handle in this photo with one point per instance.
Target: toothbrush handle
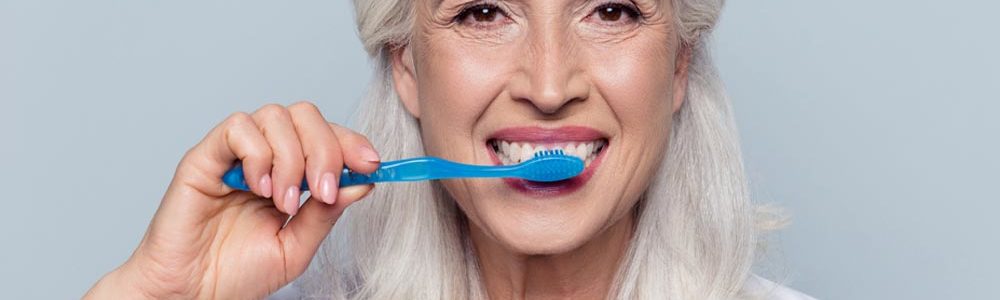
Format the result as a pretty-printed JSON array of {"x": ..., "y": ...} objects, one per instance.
[
  {"x": 234, "y": 178},
  {"x": 423, "y": 168},
  {"x": 414, "y": 169},
  {"x": 399, "y": 170}
]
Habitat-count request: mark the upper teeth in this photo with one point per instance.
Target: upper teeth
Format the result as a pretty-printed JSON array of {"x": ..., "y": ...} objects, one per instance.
[{"x": 516, "y": 152}]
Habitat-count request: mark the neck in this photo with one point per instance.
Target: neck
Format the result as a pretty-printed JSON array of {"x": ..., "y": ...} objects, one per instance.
[{"x": 586, "y": 272}]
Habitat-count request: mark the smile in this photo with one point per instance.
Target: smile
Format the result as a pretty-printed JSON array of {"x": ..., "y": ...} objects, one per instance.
[
  {"x": 518, "y": 144},
  {"x": 514, "y": 152}
]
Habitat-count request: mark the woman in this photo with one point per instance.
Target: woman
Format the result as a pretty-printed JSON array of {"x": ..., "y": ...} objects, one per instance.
[{"x": 661, "y": 211}]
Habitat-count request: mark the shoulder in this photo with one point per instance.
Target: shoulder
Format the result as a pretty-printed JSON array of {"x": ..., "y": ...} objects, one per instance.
[{"x": 761, "y": 287}]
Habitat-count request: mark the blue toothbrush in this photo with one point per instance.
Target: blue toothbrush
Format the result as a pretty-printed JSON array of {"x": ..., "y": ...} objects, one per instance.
[{"x": 546, "y": 166}]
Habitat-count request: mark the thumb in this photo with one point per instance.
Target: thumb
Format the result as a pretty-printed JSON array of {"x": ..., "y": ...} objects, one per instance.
[{"x": 306, "y": 231}]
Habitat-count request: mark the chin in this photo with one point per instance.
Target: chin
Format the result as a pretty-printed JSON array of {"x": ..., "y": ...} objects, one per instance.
[
  {"x": 544, "y": 242},
  {"x": 523, "y": 225}
]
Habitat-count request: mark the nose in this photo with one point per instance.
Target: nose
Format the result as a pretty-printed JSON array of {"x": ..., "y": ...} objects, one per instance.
[{"x": 551, "y": 75}]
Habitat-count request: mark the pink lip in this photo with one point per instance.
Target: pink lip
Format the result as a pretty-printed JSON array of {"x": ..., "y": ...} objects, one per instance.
[{"x": 538, "y": 135}]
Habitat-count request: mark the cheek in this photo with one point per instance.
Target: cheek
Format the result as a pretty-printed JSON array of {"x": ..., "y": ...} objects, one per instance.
[
  {"x": 637, "y": 85},
  {"x": 636, "y": 82},
  {"x": 456, "y": 85}
]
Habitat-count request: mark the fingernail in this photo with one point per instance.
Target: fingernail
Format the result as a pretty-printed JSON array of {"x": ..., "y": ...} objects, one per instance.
[
  {"x": 265, "y": 186},
  {"x": 328, "y": 188},
  {"x": 292, "y": 200},
  {"x": 369, "y": 154}
]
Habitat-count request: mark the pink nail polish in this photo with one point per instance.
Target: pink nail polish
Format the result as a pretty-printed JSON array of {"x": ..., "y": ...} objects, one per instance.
[
  {"x": 265, "y": 186},
  {"x": 369, "y": 155},
  {"x": 292, "y": 200},
  {"x": 328, "y": 188}
]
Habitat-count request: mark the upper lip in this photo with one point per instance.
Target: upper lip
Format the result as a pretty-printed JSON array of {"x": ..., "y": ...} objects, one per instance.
[{"x": 535, "y": 134}]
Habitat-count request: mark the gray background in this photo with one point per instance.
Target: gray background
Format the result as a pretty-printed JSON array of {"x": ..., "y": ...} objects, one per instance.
[{"x": 873, "y": 122}]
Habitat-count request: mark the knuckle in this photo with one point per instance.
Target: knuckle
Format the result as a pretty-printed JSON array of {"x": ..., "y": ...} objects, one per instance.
[
  {"x": 190, "y": 163},
  {"x": 343, "y": 132},
  {"x": 356, "y": 139},
  {"x": 238, "y": 118},
  {"x": 259, "y": 153},
  {"x": 189, "y": 155},
  {"x": 272, "y": 112},
  {"x": 361, "y": 138},
  {"x": 304, "y": 106}
]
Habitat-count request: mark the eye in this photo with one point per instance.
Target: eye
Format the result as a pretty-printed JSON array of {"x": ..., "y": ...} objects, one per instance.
[
  {"x": 481, "y": 15},
  {"x": 616, "y": 13}
]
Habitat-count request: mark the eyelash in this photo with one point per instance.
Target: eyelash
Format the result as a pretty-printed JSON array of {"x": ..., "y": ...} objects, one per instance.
[
  {"x": 628, "y": 9},
  {"x": 469, "y": 9},
  {"x": 462, "y": 17}
]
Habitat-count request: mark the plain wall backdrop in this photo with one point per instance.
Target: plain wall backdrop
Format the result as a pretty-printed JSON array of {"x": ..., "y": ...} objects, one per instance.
[{"x": 874, "y": 123}]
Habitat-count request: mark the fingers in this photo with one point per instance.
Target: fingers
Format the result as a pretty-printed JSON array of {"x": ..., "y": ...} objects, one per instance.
[
  {"x": 306, "y": 231},
  {"x": 250, "y": 147},
  {"x": 279, "y": 146},
  {"x": 321, "y": 149},
  {"x": 302, "y": 141},
  {"x": 359, "y": 155},
  {"x": 237, "y": 137},
  {"x": 275, "y": 123}
]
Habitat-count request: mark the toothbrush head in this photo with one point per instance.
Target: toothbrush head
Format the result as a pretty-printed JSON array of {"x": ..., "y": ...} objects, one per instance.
[{"x": 551, "y": 165}]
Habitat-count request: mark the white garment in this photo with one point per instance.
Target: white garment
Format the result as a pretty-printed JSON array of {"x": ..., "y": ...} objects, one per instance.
[
  {"x": 760, "y": 285},
  {"x": 755, "y": 284}
]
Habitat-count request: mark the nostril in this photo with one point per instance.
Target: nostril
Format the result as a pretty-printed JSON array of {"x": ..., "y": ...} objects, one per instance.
[
  {"x": 551, "y": 107},
  {"x": 550, "y": 91}
]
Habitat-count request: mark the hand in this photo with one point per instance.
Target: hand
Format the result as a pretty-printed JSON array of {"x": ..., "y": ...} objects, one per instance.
[{"x": 207, "y": 240}]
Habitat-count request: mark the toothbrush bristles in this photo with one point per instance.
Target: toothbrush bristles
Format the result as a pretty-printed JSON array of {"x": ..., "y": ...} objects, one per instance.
[{"x": 549, "y": 152}]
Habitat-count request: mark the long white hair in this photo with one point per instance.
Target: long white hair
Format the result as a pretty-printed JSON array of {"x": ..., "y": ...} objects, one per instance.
[{"x": 695, "y": 236}]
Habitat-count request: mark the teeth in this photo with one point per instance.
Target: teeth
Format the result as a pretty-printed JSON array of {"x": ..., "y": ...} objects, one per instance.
[
  {"x": 514, "y": 154},
  {"x": 526, "y": 153},
  {"x": 581, "y": 151},
  {"x": 571, "y": 150},
  {"x": 517, "y": 152}
]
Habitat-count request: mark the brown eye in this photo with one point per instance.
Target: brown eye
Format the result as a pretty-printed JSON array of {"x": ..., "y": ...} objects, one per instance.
[
  {"x": 480, "y": 15},
  {"x": 484, "y": 14},
  {"x": 613, "y": 12}
]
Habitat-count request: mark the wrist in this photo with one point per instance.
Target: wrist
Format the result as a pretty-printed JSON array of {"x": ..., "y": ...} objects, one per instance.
[{"x": 122, "y": 283}]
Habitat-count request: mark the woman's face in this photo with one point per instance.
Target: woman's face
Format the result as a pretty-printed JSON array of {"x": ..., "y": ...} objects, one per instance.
[{"x": 492, "y": 82}]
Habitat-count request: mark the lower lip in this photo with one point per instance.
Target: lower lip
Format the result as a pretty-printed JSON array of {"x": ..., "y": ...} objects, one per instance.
[{"x": 555, "y": 188}]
